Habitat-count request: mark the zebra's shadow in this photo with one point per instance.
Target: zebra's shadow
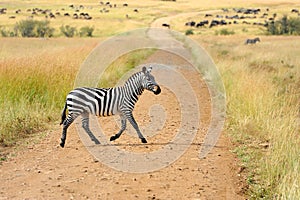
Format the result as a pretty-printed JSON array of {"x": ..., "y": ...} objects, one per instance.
[{"x": 156, "y": 144}]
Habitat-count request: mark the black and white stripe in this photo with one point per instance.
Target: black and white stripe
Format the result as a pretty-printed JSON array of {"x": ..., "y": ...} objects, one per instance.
[{"x": 108, "y": 101}]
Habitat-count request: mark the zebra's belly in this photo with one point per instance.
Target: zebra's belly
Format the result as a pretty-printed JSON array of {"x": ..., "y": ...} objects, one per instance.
[
  {"x": 77, "y": 105},
  {"x": 100, "y": 102}
]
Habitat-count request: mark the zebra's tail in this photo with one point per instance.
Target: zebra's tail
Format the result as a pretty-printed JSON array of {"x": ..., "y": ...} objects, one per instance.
[{"x": 63, "y": 114}]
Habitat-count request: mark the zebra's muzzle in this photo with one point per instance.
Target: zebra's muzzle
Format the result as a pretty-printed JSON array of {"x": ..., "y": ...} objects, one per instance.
[{"x": 156, "y": 90}]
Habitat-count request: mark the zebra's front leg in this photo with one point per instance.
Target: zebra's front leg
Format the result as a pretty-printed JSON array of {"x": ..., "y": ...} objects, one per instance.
[
  {"x": 85, "y": 126},
  {"x": 123, "y": 127},
  {"x": 136, "y": 127}
]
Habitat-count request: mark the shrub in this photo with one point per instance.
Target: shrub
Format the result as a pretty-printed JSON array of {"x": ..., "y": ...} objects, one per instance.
[
  {"x": 285, "y": 26},
  {"x": 43, "y": 29},
  {"x": 26, "y": 28},
  {"x": 225, "y": 31},
  {"x": 189, "y": 32},
  {"x": 4, "y": 32},
  {"x": 294, "y": 26},
  {"x": 86, "y": 31},
  {"x": 68, "y": 30},
  {"x": 33, "y": 28}
]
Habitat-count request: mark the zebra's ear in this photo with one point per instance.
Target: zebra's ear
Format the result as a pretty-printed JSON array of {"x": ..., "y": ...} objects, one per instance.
[
  {"x": 144, "y": 69},
  {"x": 149, "y": 69}
]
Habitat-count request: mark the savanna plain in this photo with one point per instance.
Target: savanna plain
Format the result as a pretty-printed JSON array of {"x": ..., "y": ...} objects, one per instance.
[{"x": 258, "y": 154}]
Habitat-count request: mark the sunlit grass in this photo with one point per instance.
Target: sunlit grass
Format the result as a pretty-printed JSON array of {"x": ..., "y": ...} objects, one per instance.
[
  {"x": 33, "y": 87},
  {"x": 262, "y": 86}
]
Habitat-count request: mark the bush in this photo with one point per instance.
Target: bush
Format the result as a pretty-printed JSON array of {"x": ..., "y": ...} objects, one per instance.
[
  {"x": 33, "y": 28},
  {"x": 189, "y": 32},
  {"x": 86, "y": 31},
  {"x": 68, "y": 30},
  {"x": 26, "y": 28},
  {"x": 43, "y": 29},
  {"x": 225, "y": 31},
  {"x": 4, "y": 32},
  {"x": 294, "y": 26},
  {"x": 285, "y": 26}
]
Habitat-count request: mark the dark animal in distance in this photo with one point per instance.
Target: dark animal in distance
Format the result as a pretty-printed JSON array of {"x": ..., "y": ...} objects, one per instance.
[
  {"x": 166, "y": 25},
  {"x": 192, "y": 23},
  {"x": 252, "y": 41}
]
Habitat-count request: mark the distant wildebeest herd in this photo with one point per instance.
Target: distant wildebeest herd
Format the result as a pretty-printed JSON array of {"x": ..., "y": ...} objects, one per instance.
[
  {"x": 241, "y": 16},
  {"x": 72, "y": 10}
]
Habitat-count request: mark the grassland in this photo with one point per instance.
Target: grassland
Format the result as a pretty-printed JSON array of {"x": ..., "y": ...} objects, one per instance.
[
  {"x": 262, "y": 85},
  {"x": 33, "y": 77},
  {"x": 244, "y": 27},
  {"x": 122, "y": 18},
  {"x": 262, "y": 81}
]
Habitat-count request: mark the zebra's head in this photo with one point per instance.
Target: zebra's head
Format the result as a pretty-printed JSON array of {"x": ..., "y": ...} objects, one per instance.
[{"x": 149, "y": 81}]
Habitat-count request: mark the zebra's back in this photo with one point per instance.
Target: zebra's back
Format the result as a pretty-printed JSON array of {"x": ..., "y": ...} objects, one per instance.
[{"x": 97, "y": 101}]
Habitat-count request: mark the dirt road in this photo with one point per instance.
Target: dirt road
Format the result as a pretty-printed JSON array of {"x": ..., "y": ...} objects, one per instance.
[{"x": 46, "y": 171}]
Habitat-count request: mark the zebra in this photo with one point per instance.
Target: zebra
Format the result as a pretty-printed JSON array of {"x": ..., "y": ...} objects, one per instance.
[
  {"x": 108, "y": 101},
  {"x": 252, "y": 41}
]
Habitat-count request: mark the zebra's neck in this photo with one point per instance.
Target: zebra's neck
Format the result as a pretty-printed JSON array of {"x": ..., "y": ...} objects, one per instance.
[{"x": 133, "y": 86}]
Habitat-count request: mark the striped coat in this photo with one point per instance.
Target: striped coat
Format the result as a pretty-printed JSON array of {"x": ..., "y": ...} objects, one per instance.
[{"x": 104, "y": 102}]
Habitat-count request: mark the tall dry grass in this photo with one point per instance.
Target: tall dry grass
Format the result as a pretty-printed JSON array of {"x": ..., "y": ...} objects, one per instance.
[
  {"x": 35, "y": 75},
  {"x": 263, "y": 90}
]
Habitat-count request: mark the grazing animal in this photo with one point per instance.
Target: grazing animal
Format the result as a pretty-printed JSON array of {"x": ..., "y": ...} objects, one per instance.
[
  {"x": 51, "y": 15},
  {"x": 108, "y": 101},
  {"x": 192, "y": 23},
  {"x": 252, "y": 41},
  {"x": 3, "y": 10},
  {"x": 199, "y": 25},
  {"x": 216, "y": 22},
  {"x": 166, "y": 25}
]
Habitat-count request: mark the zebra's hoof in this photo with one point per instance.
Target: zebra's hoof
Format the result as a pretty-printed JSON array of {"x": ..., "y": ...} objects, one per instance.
[
  {"x": 96, "y": 141},
  {"x": 112, "y": 138},
  {"x": 62, "y": 144},
  {"x": 144, "y": 140}
]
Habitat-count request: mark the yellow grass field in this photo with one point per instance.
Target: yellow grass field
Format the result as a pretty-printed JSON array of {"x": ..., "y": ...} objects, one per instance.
[{"x": 262, "y": 81}]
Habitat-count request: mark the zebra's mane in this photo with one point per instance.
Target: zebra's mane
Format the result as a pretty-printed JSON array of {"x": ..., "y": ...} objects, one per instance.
[{"x": 133, "y": 77}]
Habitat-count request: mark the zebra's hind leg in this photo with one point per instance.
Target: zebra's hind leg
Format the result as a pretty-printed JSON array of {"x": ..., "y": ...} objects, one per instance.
[
  {"x": 85, "y": 126},
  {"x": 123, "y": 127},
  {"x": 67, "y": 122}
]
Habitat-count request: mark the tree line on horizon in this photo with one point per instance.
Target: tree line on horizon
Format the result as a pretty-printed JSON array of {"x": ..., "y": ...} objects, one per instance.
[{"x": 42, "y": 29}]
